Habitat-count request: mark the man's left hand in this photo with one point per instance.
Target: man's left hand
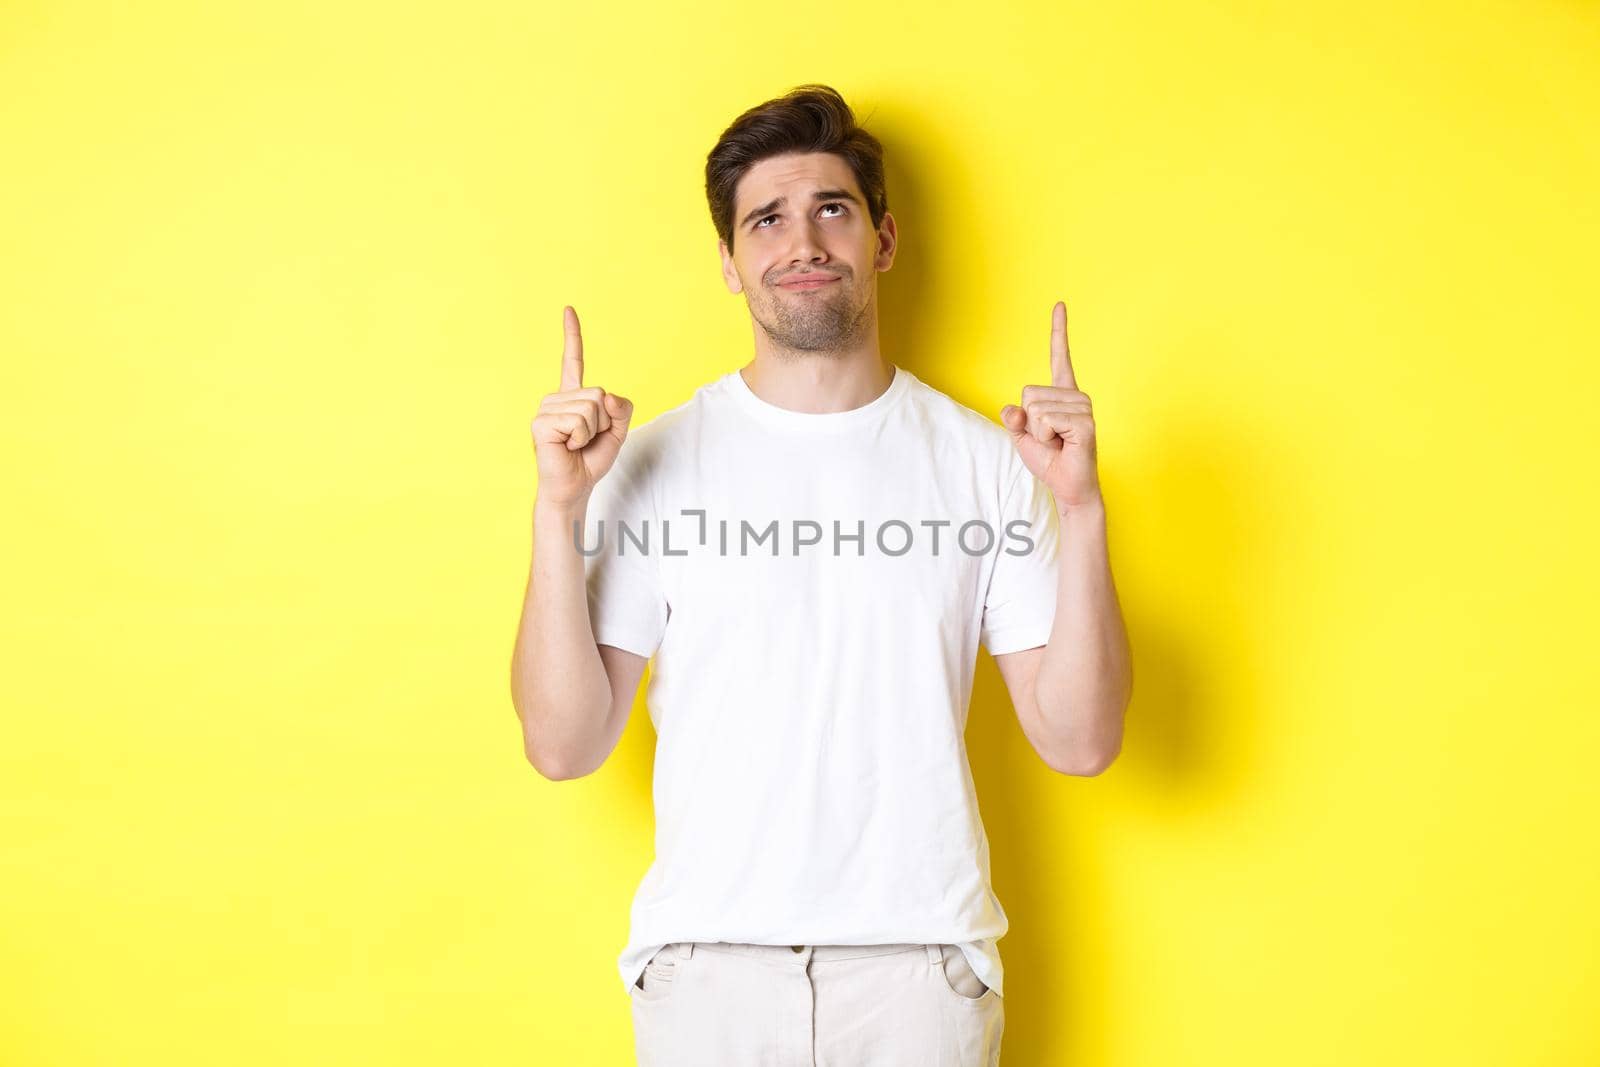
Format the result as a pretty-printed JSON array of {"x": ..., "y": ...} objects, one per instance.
[{"x": 1054, "y": 427}]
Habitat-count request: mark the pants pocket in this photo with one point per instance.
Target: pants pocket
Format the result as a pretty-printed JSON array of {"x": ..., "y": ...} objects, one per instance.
[
  {"x": 659, "y": 975},
  {"x": 959, "y": 977}
]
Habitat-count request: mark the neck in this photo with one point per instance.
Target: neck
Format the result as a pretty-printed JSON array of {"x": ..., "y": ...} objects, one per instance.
[{"x": 818, "y": 383}]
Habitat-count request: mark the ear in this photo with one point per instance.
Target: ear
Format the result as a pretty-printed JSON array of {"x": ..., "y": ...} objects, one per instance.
[
  {"x": 888, "y": 242},
  {"x": 729, "y": 275}
]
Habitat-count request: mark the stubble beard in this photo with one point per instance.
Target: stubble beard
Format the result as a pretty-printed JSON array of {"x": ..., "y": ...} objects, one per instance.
[{"x": 811, "y": 323}]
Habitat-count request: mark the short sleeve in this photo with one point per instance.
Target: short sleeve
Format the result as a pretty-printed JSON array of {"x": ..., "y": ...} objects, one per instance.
[
  {"x": 1019, "y": 606},
  {"x": 627, "y": 606}
]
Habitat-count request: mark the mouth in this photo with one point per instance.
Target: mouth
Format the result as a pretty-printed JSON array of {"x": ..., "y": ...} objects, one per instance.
[{"x": 809, "y": 283}]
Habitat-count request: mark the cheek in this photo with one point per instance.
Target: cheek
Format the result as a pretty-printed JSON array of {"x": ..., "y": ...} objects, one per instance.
[{"x": 749, "y": 273}]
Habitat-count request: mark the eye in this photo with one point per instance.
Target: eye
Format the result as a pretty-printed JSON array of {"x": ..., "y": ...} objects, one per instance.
[{"x": 832, "y": 203}]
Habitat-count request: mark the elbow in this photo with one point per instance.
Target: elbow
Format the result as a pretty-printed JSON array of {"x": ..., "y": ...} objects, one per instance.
[
  {"x": 1093, "y": 755},
  {"x": 551, "y": 763},
  {"x": 1088, "y": 756},
  {"x": 532, "y": 715},
  {"x": 1087, "y": 763},
  {"x": 552, "y": 766},
  {"x": 544, "y": 765}
]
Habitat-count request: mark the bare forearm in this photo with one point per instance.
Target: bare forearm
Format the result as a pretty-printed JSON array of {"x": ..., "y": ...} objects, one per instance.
[
  {"x": 1085, "y": 676},
  {"x": 558, "y": 682}
]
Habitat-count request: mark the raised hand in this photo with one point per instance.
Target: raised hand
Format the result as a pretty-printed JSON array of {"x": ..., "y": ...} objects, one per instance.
[
  {"x": 578, "y": 431},
  {"x": 1054, "y": 428}
]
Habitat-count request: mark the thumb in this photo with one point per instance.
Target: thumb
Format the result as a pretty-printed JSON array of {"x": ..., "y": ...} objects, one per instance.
[
  {"x": 1035, "y": 456},
  {"x": 620, "y": 408}
]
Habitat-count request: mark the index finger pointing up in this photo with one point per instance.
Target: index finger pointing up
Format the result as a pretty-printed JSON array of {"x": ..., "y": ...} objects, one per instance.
[
  {"x": 572, "y": 352},
  {"x": 1060, "y": 355}
]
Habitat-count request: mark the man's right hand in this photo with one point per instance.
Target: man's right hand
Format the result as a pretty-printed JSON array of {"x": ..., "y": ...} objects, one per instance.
[{"x": 578, "y": 432}]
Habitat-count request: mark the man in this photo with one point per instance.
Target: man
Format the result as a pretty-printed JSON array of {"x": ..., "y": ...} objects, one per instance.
[{"x": 812, "y": 547}]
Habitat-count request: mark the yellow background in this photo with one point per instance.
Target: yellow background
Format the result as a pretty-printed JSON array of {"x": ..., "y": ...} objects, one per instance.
[{"x": 282, "y": 289}]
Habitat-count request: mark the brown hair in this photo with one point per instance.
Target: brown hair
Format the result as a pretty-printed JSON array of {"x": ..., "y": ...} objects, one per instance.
[{"x": 808, "y": 118}]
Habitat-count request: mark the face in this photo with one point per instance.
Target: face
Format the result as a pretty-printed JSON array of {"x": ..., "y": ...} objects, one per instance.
[{"x": 802, "y": 216}]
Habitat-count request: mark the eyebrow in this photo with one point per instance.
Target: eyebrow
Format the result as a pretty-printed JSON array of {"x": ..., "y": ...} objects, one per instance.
[{"x": 821, "y": 194}]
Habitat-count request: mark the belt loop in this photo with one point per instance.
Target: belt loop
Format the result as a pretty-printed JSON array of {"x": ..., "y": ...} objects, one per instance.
[
  {"x": 685, "y": 949},
  {"x": 935, "y": 955}
]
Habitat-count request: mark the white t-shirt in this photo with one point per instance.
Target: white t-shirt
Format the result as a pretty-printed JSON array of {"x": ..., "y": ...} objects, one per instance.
[{"x": 809, "y": 694}]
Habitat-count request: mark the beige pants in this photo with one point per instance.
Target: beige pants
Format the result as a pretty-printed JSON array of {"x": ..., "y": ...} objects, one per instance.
[{"x": 717, "y": 1004}]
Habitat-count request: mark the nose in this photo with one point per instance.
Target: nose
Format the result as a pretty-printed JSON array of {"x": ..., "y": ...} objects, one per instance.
[{"x": 807, "y": 245}]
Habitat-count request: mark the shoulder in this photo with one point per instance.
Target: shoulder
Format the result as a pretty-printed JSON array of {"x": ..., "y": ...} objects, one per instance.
[
  {"x": 651, "y": 442},
  {"x": 952, "y": 415},
  {"x": 953, "y": 423}
]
